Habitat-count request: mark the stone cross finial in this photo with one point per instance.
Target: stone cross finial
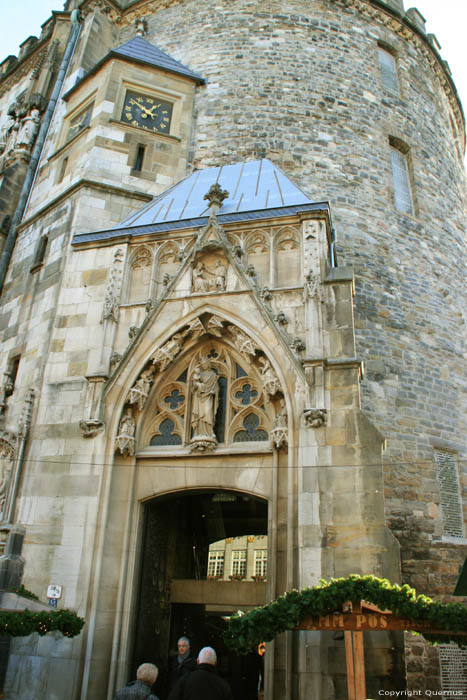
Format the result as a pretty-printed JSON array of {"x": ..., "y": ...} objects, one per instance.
[{"x": 215, "y": 197}]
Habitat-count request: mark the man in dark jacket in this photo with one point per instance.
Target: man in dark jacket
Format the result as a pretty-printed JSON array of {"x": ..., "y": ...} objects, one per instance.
[
  {"x": 183, "y": 663},
  {"x": 140, "y": 689},
  {"x": 203, "y": 683}
]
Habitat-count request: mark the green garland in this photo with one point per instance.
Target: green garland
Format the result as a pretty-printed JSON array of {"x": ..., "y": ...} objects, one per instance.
[
  {"x": 21, "y": 623},
  {"x": 245, "y": 632}
]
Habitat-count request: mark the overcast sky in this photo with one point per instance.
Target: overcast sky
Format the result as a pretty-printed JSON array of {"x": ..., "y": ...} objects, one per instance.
[{"x": 447, "y": 19}]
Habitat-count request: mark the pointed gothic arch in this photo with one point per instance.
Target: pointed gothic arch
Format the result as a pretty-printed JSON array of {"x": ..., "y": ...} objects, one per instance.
[{"x": 159, "y": 407}]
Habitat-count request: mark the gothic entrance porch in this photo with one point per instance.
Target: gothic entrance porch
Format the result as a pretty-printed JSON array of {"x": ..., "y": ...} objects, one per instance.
[{"x": 204, "y": 555}]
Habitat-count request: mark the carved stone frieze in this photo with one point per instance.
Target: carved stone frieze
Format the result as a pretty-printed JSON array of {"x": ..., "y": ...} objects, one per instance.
[
  {"x": 112, "y": 299},
  {"x": 125, "y": 440},
  {"x": 209, "y": 279},
  {"x": 314, "y": 417}
]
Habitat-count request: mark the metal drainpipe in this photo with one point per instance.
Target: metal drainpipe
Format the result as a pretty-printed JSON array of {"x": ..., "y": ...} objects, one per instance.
[{"x": 31, "y": 172}]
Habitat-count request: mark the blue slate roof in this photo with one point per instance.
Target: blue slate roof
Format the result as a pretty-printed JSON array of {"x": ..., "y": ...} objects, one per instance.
[
  {"x": 137, "y": 50},
  {"x": 257, "y": 190},
  {"x": 142, "y": 51},
  {"x": 253, "y": 185}
]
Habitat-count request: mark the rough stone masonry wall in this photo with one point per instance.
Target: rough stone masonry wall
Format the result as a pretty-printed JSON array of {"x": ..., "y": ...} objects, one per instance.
[{"x": 299, "y": 83}]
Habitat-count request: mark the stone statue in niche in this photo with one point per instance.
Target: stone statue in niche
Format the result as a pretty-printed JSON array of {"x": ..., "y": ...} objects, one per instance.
[
  {"x": 271, "y": 383},
  {"x": 29, "y": 128},
  {"x": 279, "y": 436},
  {"x": 7, "y": 454},
  {"x": 169, "y": 351},
  {"x": 200, "y": 282},
  {"x": 126, "y": 434},
  {"x": 205, "y": 399},
  {"x": 207, "y": 279},
  {"x": 140, "y": 390}
]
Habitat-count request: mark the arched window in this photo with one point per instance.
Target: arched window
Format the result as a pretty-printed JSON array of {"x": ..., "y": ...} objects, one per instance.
[
  {"x": 258, "y": 252},
  {"x": 140, "y": 275},
  {"x": 288, "y": 258}
]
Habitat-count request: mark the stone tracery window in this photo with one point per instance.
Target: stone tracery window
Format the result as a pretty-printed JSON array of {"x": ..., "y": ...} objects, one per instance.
[{"x": 242, "y": 411}]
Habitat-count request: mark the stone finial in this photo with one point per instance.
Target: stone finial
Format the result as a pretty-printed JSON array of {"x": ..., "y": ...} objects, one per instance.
[
  {"x": 141, "y": 26},
  {"x": 215, "y": 196}
]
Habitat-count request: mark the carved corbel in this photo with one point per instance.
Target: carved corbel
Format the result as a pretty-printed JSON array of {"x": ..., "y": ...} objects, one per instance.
[
  {"x": 298, "y": 345},
  {"x": 314, "y": 417},
  {"x": 281, "y": 319},
  {"x": 91, "y": 427}
]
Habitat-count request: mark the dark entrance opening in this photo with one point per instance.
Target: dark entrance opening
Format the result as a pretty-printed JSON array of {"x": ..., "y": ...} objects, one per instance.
[{"x": 204, "y": 556}]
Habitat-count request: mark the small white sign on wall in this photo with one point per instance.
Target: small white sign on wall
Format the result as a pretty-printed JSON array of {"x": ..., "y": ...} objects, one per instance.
[{"x": 54, "y": 591}]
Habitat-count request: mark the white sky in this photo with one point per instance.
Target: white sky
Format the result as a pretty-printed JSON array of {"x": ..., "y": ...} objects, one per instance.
[{"x": 447, "y": 19}]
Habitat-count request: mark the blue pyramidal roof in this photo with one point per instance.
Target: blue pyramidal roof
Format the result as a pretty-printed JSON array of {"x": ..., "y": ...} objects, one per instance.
[
  {"x": 138, "y": 50},
  {"x": 257, "y": 190},
  {"x": 254, "y": 185},
  {"x": 142, "y": 51}
]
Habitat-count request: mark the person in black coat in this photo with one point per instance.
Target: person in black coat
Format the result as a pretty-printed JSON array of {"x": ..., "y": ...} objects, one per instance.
[
  {"x": 204, "y": 683},
  {"x": 182, "y": 664}
]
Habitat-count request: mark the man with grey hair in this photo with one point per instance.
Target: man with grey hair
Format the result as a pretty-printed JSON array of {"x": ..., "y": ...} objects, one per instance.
[
  {"x": 204, "y": 682},
  {"x": 183, "y": 663},
  {"x": 140, "y": 689}
]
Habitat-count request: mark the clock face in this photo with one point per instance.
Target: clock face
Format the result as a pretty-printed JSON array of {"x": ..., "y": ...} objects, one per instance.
[
  {"x": 80, "y": 122},
  {"x": 147, "y": 112}
]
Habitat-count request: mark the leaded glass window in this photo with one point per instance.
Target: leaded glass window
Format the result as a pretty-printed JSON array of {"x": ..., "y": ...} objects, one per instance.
[
  {"x": 388, "y": 67},
  {"x": 401, "y": 181}
]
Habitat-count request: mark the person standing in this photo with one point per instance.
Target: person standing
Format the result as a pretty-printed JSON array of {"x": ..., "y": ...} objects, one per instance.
[
  {"x": 204, "y": 682},
  {"x": 183, "y": 663},
  {"x": 140, "y": 689}
]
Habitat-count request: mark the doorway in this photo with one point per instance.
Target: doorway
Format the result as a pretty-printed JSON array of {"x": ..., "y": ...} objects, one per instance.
[{"x": 204, "y": 556}]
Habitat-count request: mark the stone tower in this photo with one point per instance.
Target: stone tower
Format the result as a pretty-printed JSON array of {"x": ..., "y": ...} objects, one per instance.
[{"x": 233, "y": 307}]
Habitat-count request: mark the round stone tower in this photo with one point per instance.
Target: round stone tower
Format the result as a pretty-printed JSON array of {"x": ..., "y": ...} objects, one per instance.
[{"x": 351, "y": 99}]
